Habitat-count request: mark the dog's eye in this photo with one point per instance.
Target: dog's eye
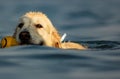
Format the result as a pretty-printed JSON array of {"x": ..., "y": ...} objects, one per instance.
[
  {"x": 20, "y": 25},
  {"x": 38, "y": 26}
]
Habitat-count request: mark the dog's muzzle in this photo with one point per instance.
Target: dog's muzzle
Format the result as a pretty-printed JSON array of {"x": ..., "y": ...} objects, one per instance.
[{"x": 24, "y": 37}]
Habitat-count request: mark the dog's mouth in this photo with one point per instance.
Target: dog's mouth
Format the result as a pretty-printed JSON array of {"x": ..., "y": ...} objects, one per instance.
[
  {"x": 28, "y": 42},
  {"x": 25, "y": 39},
  {"x": 25, "y": 42}
]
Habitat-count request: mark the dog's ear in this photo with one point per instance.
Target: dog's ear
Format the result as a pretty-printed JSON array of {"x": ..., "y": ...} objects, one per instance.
[
  {"x": 17, "y": 29},
  {"x": 15, "y": 32},
  {"x": 55, "y": 37}
]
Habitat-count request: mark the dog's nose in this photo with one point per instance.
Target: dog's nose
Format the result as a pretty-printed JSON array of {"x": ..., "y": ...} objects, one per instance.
[{"x": 24, "y": 37}]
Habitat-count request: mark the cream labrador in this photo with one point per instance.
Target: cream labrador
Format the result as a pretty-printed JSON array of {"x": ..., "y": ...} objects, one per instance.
[{"x": 36, "y": 28}]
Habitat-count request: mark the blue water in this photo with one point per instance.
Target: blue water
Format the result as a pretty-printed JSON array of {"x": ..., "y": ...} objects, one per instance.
[{"x": 93, "y": 23}]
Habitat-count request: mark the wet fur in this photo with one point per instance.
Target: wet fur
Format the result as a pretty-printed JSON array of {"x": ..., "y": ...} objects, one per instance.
[{"x": 52, "y": 38}]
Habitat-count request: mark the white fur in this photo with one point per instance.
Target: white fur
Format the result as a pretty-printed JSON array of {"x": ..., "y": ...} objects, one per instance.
[{"x": 48, "y": 33}]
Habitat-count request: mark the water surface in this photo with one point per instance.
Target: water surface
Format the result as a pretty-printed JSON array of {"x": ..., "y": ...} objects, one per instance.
[{"x": 93, "y": 23}]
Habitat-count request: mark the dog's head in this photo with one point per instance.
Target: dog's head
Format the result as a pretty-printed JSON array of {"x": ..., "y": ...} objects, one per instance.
[{"x": 36, "y": 28}]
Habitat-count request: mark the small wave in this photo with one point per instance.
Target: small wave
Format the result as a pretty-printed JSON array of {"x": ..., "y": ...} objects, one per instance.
[{"x": 103, "y": 45}]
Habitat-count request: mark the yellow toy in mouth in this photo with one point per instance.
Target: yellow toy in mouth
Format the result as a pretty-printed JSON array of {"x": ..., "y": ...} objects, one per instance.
[{"x": 8, "y": 41}]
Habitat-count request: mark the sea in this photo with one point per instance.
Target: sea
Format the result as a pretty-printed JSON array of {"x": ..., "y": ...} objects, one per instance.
[{"x": 92, "y": 23}]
